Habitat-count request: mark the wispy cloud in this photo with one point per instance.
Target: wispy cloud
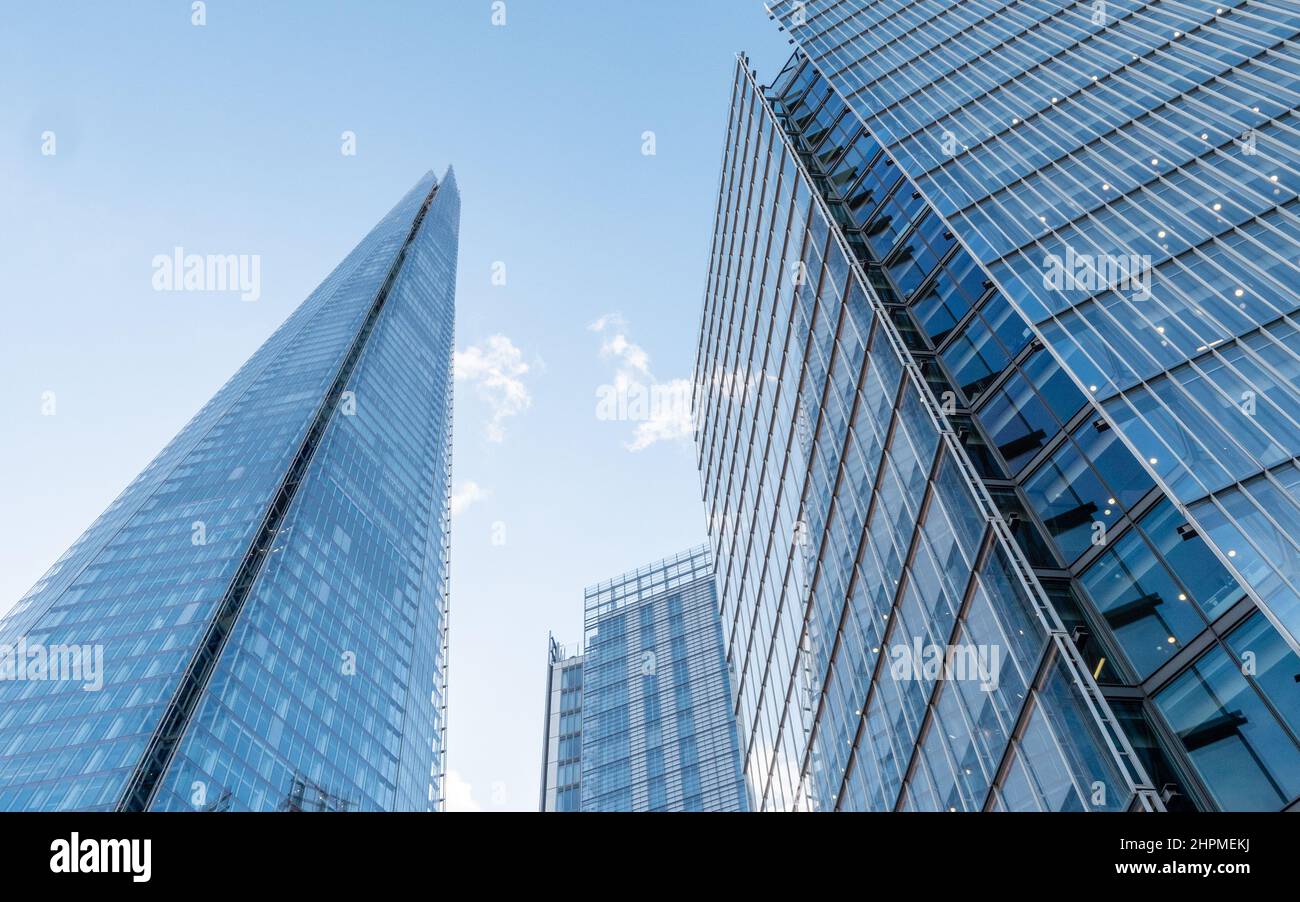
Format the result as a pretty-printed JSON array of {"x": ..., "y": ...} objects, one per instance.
[
  {"x": 661, "y": 410},
  {"x": 466, "y": 494},
  {"x": 460, "y": 794},
  {"x": 609, "y": 320},
  {"x": 668, "y": 421},
  {"x": 629, "y": 355},
  {"x": 496, "y": 368}
]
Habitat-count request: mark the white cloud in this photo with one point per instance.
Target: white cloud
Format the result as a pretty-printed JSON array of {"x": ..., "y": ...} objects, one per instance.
[
  {"x": 617, "y": 347},
  {"x": 609, "y": 319},
  {"x": 496, "y": 367},
  {"x": 459, "y": 794},
  {"x": 465, "y": 494},
  {"x": 661, "y": 410},
  {"x": 630, "y": 355},
  {"x": 667, "y": 422}
]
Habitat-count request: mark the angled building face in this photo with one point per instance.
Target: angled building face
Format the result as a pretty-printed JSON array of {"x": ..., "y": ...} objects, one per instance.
[
  {"x": 1068, "y": 146},
  {"x": 642, "y": 721},
  {"x": 1196, "y": 698},
  {"x": 856, "y": 539},
  {"x": 1124, "y": 176},
  {"x": 270, "y": 595}
]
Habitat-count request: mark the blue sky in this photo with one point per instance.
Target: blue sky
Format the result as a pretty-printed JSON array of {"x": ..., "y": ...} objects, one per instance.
[{"x": 226, "y": 139}]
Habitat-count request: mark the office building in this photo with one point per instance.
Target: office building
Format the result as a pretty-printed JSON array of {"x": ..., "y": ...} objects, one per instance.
[
  {"x": 642, "y": 719},
  {"x": 269, "y": 596},
  {"x": 939, "y": 475}
]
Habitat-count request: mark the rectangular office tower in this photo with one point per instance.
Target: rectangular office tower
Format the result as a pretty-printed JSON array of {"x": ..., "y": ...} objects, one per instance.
[
  {"x": 269, "y": 597},
  {"x": 946, "y": 481},
  {"x": 562, "y": 732},
  {"x": 642, "y": 720}
]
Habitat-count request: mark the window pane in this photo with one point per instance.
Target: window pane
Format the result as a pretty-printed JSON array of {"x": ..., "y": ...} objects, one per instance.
[
  {"x": 1271, "y": 664},
  {"x": 1069, "y": 497},
  {"x": 1145, "y": 609},
  {"x": 1243, "y": 755},
  {"x": 1209, "y": 582},
  {"x": 1018, "y": 421}
]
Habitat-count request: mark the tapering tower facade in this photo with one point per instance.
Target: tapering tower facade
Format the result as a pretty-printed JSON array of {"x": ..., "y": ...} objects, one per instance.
[{"x": 269, "y": 597}]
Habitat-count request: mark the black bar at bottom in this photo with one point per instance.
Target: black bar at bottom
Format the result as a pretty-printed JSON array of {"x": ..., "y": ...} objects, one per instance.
[{"x": 815, "y": 855}]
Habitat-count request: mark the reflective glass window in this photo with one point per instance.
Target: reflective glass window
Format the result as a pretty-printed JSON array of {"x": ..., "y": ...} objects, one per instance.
[
  {"x": 1241, "y": 752},
  {"x": 1150, "y": 615}
]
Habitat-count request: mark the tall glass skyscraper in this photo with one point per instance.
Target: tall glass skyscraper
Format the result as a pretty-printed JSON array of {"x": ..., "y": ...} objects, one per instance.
[
  {"x": 270, "y": 595},
  {"x": 946, "y": 470},
  {"x": 642, "y": 721}
]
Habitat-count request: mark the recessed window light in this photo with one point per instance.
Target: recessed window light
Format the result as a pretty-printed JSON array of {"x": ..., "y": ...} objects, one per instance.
[
  {"x": 1232, "y": 553},
  {"x": 1155, "y": 162},
  {"x": 1178, "y": 34},
  {"x": 1218, "y": 207},
  {"x": 1272, "y": 178},
  {"x": 1105, "y": 186},
  {"x": 1160, "y": 234},
  {"x": 1205, "y": 136},
  {"x": 1160, "y": 329},
  {"x": 1092, "y": 388},
  {"x": 1172, "y": 641},
  {"x": 1015, "y": 121},
  {"x": 1152, "y": 461},
  {"x": 1239, "y": 292},
  {"x": 1111, "y": 501},
  {"x": 1182, "y": 596}
]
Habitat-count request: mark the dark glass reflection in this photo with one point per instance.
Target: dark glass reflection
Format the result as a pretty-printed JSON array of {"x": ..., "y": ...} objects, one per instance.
[
  {"x": 1147, "y": 611},
  {"x": 1240, "y": 750},
  {"x": 1165, "y": 776}
]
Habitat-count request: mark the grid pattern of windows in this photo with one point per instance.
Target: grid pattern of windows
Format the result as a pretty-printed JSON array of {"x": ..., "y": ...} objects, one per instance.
[
  {"x": 1129, "y": 575},
  {"x": 1163, "y": 131},
  {"x": 848, "y": 519},
  {"x": 334, "y": 673},
  {"x": 656, "y": 730},
  {"x": 562, "y": 749}
]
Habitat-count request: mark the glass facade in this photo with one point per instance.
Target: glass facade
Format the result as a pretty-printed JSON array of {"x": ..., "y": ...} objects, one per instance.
[
  {"x": 270, "y": 594},
  {"x": 1129, "y": 138},
  {"x": 562, "y": 732},
  {"x": 860, "y": 503},
  {"x": 643, "y": 720},
  {"x": 1137, "y": 594}
]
